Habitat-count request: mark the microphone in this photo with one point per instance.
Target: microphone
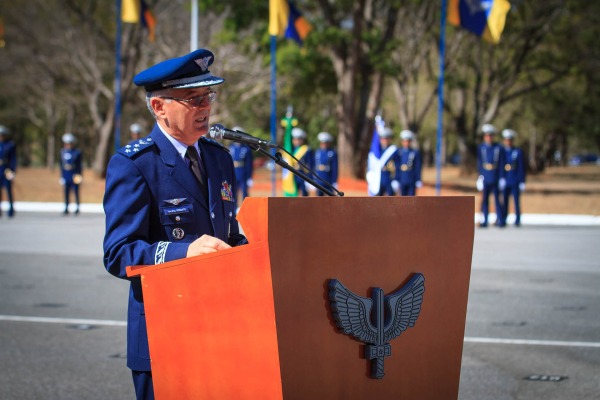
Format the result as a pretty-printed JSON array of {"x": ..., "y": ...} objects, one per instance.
[{"x": 218, "y": 131}]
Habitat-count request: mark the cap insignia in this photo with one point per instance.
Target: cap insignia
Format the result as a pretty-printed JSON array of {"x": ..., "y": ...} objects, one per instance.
[{"x": 203, "y": 63}]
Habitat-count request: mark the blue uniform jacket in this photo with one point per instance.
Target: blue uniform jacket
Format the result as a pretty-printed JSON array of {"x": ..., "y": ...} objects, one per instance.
[
  {"x": 8, "y": 159},
  {"x": 490, "y": 162},
  {"x": 242, "y": 161},
  {"x": 326, "y": 165},
  {"x": 154, "y": 209},
  {"x": 409, "y": 169},
  {"x": 70, "y": 164},
  {"x": 514, "y": 166}
]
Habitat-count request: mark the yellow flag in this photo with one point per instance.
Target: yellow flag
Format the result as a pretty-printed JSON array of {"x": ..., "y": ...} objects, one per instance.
[{"x": 130, "y": 11}]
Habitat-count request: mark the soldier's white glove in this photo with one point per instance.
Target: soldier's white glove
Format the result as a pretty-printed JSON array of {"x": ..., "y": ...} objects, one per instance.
[
  {"x": 501, "y": 183},
  {"x": 61, "y": 181},
  {"x": 395, "y": 186},
  {"x": 419, "y": 184},
  {"x": 249, "y": 183},
  {"x": 310, "y": 187},
  {"x": 522, "y": 186},
  {"x": 9, "y": 174},
  {"x": 480, "y": 183}
]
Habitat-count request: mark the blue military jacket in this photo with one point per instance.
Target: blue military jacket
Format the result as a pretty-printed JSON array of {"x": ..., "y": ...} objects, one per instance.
[
  {"x": 242, "y": 161},
  {"x": 155, "y": 209},
  {"x": 490, "y": 161},
  {"x": 514, "y": 166},
  {"x": 409, "y": 169},
  {"x": 70, "y": 164},
  {"x": 8, "y": 158},
  {"x": 326, "y": 165}
]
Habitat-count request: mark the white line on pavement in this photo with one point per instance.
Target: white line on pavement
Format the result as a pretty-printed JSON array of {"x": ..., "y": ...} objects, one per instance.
[
  {"x": 531, "y": 342},
  {"x": 73, "y": 321}
]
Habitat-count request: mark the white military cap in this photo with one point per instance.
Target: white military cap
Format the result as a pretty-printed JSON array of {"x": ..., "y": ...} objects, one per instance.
[
  {"x": 136, "y": 128},
  {"x": 407, "y": 135},
  {"x": 298, "y": 133},
  {"x": 68, "y": 138},
  {"x": 509, "y": 134},
  {"x": 488, "y": 129},
  {"x": 325, "y": 137},
  {"x": 4, "y": 130},
  {"x": 386, "y": 133}
]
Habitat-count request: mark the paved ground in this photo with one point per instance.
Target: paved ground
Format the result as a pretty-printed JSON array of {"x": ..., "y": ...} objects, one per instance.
[{"x": 533, "y": 311}]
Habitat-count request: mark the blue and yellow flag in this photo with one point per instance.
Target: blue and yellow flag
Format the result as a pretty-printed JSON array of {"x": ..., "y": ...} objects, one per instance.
[
  {"x": 289, "y": 183},
  {"x": 485, "y": 18},
  {"x": 285, "y": 20},
  {"x": 136, "y": 11}
]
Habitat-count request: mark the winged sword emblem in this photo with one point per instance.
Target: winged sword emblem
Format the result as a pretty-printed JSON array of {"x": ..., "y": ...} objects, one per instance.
[{"x": 378, "y": 320}]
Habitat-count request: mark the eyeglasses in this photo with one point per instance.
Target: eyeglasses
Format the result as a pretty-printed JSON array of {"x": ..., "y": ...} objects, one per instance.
[{"x": 196, "y": 101}]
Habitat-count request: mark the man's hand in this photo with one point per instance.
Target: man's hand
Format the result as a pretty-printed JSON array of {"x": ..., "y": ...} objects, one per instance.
[{"x": 206, "y": 244}]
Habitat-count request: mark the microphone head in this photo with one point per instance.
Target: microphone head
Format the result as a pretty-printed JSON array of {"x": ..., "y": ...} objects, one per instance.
[{"x": 216, "y": 131}]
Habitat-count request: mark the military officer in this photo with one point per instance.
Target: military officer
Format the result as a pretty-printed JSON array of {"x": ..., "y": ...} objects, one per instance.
[
  {"x": 170, "y": 195},
  {"x": 490, "y": 162},
  {"x": 8, "y": 166},
  {"x": 382, "y": 171},
  {"x": 70, "y": 170},
  {"x": 408, "y": 175},
  {"x": 303, "y": 153},
  {"x": 242, "y": 161},
  {"x": 326, "y": 160},
  {"x": 514, "y": 171}
]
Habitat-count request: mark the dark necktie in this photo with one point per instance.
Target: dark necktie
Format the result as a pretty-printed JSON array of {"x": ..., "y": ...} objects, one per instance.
[{"x": 197, "y": 168}]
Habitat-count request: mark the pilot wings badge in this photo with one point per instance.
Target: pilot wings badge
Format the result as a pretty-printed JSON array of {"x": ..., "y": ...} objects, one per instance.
[{"x": 364, "y": 318}]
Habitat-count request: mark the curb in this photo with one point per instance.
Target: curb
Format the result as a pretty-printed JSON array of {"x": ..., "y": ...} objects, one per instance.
[{"x": 526, "y": 219}]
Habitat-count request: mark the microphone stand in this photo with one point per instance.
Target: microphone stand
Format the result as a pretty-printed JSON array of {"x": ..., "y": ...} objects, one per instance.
[{"x": 280, "y": 161}]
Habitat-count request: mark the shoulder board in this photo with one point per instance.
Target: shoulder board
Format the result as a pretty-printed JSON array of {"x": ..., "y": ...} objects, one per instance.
[
  {"x": 136, "y": 147},
  {"x": 214, "y": 143}
]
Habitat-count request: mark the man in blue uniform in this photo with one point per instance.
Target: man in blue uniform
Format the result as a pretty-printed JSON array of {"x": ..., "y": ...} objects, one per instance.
[
  {"x": 326, "y": 161},
  {"x": 242, "y": 161},
  {"x": 70, "y": 170},
  {"x": 514, "y": 172},
  {"x": 408, "y": 174},
  {"x": 381, "y": 171},
  {"x": 8, "y": 166},
  {"x": 303, "y": 153},
  {"x": 490, "y": 162},
  {"x": 170, "y": 195}
]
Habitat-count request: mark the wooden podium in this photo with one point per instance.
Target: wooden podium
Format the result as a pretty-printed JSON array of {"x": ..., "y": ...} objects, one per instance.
[{"x": 254, "y": 322}]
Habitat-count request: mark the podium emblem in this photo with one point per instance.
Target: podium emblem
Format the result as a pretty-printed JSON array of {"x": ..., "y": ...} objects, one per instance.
[{"x": 378, "y": 320}]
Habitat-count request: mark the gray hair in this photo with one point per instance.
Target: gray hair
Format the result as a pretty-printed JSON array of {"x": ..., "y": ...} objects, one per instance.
[{"x": 156, "y": 93}]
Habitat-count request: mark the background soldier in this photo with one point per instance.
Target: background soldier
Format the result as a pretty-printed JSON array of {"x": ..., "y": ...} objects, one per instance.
[
  {"x": 70, "y": 169},
  {"x": 409, "y": 173},
  {"x": 8, "y": 166},
  {"x": 326, "y": 161},
  {"x": 384, "y": 168},
  {"x": 135, "y": 131},
  {"x": 303, "y": 153},
  {"x": 514, "y": 172},
  {"x": 490, "y": 161},
  {"x": 242, "y": 162}
]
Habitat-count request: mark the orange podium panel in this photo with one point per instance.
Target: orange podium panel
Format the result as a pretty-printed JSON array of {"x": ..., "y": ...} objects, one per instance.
[{"x": 256, "y": 321}]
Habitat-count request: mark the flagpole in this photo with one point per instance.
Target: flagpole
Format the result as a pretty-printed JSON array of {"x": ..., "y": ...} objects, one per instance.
[
  {"x": 194, "y": 27},
  {"x": 273, "y": 107},
  {"x": 118, "y": 76},
  {"x": 438, "y": 181}
]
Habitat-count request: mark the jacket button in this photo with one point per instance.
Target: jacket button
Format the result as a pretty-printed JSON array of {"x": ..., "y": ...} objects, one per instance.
[
  {"x": 178, "y": 218},
  {"x": 212, "y": 215},
  {"x": 230, "y": 214}
]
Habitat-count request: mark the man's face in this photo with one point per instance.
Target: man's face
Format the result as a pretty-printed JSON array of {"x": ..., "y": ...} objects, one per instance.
[
  {"x": 508, "y": 142},
  {"x": 181, "y": 120},
  {"x": 297, "y": 142},
  {"x": 385, "y": 141},
  {"x": 487, "y": 138},
  {"x": 406, "y": 143}
]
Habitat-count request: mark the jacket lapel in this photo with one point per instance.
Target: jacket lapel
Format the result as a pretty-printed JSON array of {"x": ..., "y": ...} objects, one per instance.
[{"x": 178, "y": 169}]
